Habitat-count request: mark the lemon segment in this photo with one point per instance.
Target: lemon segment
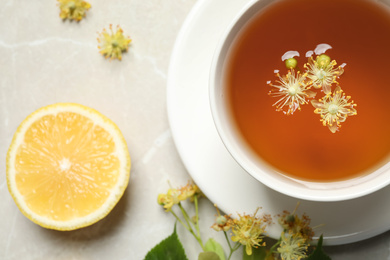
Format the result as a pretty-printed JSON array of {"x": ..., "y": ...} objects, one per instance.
[{"x": 67, "y": 166}]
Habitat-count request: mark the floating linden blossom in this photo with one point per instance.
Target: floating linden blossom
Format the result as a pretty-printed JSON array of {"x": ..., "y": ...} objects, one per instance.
[
  {"x": 334, "y": 109},
  {"x": 293, "y": 90},
  {"x": 322, "y": 72},
  {"x": 112, "y": 45},
  {"x": 73, "y": 9}
]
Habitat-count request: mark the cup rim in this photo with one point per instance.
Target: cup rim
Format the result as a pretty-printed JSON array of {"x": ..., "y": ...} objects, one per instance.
[{"x": 307, "y": 190}]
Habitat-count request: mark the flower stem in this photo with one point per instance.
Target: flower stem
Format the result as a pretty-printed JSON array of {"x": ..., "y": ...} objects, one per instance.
[
  {"x": 196, "y": 215},
  {"x": 272, "y": 249},
  {"x": 181, "y": 222},
  {"x": 232, "y": 249},
  {"x": 187, "y": 219},
  {"x": 237, "y": 246},
  {"x": 227, "y": 239}
]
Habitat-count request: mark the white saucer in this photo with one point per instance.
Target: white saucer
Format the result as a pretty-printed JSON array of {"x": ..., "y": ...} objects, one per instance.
[{"x": 213, "y": 169}]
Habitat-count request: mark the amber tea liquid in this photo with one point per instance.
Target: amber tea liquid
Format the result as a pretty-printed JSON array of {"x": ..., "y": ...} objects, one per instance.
[{"x": 299, "y": 145}]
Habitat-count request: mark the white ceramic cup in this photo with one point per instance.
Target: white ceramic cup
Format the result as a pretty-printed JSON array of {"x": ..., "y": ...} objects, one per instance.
[{"x": 248, "y": 160}]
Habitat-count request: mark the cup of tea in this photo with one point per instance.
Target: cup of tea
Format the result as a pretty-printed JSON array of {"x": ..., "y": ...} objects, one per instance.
[{"x": 332, "y": 143}]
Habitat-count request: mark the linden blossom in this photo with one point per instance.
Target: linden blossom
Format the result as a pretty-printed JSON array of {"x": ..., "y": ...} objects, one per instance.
[
  {"x": 249, "y": 230},
  {"x": 292, "y": 246},
  {"x": 322, "y": 72},
  {"x": 293, "y": 89},
  {"x": 334, "y": 109},
  {"x": 73, "y": 9},
  {"x": 111, "y": 44}
]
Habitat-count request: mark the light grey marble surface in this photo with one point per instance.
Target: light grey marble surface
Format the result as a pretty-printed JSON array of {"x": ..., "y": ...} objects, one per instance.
[{"x": 45, "y": 60}]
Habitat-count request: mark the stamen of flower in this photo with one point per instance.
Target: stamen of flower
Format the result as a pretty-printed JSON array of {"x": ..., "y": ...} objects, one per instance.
[
  {"x": 292, "y": 91},
  {"x": 333, "y": 109}
]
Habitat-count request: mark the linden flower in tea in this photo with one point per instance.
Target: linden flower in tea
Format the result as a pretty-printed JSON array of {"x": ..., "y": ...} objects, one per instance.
[
  {"x": 112, "y": 45},
  {"x": 334, "y": 109},
  {"x": 322, "y": 72},
  {"x": 73, "y": 9},
  {"x": 292, "y": 90}
]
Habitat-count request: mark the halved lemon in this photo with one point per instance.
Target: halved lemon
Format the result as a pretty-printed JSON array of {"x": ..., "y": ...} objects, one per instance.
[{"x": 67, "y": 166}]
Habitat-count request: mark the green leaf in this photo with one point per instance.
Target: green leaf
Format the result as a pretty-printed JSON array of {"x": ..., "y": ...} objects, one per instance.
[
  {"x": 318, "y": 253},
  {"x": 257, "y": 254},
  {"x": 213, "y": 246},
  {"x": 168, "y": 249},
  {"x": 208, "y": 256}
]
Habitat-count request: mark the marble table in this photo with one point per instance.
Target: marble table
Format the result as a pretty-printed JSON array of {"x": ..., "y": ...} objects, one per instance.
[{"x": 45, "y": 60}]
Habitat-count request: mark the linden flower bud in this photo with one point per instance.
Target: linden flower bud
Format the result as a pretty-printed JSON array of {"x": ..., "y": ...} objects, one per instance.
[
  {"x": 290, "y": 219},
  {"x": 222, "y": 223},
  {"x": 291, "y": 63},
  {"x": 221, "y": 220},
  {"x": 323, "y": 60}
]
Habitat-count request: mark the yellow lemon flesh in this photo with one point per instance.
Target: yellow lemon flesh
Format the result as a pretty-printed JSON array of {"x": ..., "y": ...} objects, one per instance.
[{"x": 67, "y": 166}]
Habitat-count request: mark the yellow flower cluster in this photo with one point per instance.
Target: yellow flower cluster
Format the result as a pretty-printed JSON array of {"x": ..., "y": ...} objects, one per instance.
[
  {"x": 294, "y": 90},
  {"x": 248, "y": 230},
  {"x": 175, "y": 196},
  {"x": 292, "y": 246},
  {"x": 291, "y": 222},
  {"x": 113, "y": 44},
  {"x": 323, "y": 73},
  {"x": 296, "y": 236},
  {"x": 73, "y": 9}
]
